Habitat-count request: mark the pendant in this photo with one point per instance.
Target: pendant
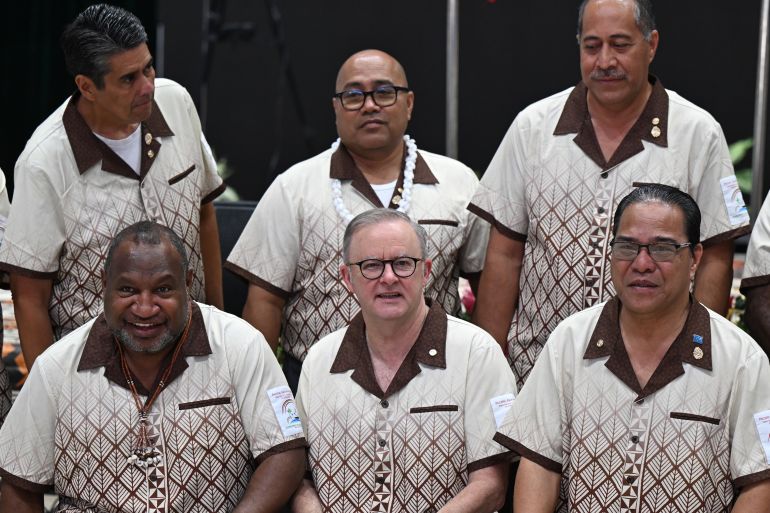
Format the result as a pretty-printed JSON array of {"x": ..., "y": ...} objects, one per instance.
[{"x": 144, "y": 457}]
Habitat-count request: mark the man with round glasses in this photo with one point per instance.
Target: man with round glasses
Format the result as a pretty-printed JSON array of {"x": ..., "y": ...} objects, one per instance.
[
  {"x": 401, "y": 406},
  {"x": 295, "y": 293},
  {"x": 650, "y": 401}
]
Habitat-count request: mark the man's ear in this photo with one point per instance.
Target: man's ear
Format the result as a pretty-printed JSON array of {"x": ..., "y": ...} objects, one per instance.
[
  {"x": 697, "y": 254},
  {"x": 86, "y": 86},
  {"x": 428, "y": 266},
  {"x": 345, "y": 275}
]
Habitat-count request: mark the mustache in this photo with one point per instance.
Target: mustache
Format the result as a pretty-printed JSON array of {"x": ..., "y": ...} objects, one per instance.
[{"x": 611, "y": 73}]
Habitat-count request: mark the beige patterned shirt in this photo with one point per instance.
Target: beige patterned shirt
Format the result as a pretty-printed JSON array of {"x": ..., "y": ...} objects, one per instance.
[
  {"x": 550, "y": 185},
  {"x": 73, "y": 425},
  {"x": 73, "y": 194},
  {"x": 408, "y": 449},
  {"x": 757, "y": 269},
  {"x": 292, "y": 244},
  {"x": 680, "y": 444}
]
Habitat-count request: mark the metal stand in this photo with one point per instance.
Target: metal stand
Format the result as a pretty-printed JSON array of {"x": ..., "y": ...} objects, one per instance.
[
  {"x": 452, "y": 76},
  {"x": 760, "y": 117}
]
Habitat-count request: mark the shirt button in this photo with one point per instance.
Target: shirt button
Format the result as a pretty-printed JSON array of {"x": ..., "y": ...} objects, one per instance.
[
  {"x": 639, "y": 402},
  {"x": 379, "y": 480},
  {"x": 600, "y": 210},
  {"x": 635, "y": 439},
  {"x": 382, "y": 443},
  {"x": 630, "y": 479},
  {"x": 605, "y": 174},
  {"x": 384, "y": 403}
]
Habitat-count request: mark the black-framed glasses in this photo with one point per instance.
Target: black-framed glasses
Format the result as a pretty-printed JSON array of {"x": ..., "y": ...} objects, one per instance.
[
  {"x": 372, "y": 268},
  {"x": 659, "y": 251},
  {"x": 382, "y": 96}
]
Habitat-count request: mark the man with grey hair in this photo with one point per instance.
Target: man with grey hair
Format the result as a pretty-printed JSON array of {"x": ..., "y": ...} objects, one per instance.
[
  {"x": 400, "y": 406},
  {"x": 158, "y": 404},
  {"x": 566, "y": 162},
  {"x": 125, "y": 147}
]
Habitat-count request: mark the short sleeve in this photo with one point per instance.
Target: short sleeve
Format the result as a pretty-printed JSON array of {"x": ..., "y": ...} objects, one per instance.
[
  {"x": 474, "y": 250},
  {"x": 500, "y": 196},
  {"x": 724, "y": 214},
  {"x": 533, "y": 426},
  {"x": 268, "y": 410},
  {"x": 212, "y": 185},
  {"x": 27, "y": 436},
  {"x": 749, "y": 402},
  {"x": 268, "y": 250},
  {"x": 490, "y": 390},
  {"x": 757, "y": 269},
  {"x": 35, "y": 232}
]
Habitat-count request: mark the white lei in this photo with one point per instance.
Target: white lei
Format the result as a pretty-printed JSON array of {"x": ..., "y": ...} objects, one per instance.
[{"x": 406, "y": 195}]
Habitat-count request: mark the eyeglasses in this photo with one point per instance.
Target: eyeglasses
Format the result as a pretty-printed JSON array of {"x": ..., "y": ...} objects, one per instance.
[
  {"x": 383, "y": 96},
  {"x": 659, "y": 251},
  {"x": 372, "y": 268}
]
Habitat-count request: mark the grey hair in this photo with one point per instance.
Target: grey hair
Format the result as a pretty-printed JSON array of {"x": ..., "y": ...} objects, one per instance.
[
  {"x": 643, "y": 16},
  {"x": 96, "y": 34},
  {"x": 150, "y": 233},
  {"x": 377, "y": 216},
  {"x": 659, "y": 193}
]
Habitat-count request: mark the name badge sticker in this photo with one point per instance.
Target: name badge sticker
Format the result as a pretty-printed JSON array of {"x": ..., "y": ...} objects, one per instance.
[
  {"x": 500, "y": 406},
  {"x": 736, "y": 208},
  {"x": 762, "y": 420},
  {"x": 285, "y": 410}
]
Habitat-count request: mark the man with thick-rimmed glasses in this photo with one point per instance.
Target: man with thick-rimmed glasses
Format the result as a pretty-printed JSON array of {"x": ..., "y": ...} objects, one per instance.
[
  {"x": 400, "y": 406},
  {"x": 650, "y": 401},
  {"x": 290, "y": 249}
]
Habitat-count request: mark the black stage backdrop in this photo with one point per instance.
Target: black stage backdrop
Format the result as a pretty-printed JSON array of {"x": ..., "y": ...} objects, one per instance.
[{"x": 511, "y": 54}]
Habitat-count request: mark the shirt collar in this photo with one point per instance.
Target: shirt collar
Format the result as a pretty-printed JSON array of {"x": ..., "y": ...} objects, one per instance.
[
  {"x": 353, "y": 353},
  {"x": 100, "y": 351},
  {"x": 343, "y": 167},
  {"x": 694, "y": 340},
  {"x": 89, "y": 150},
  {"x": 575, "y": 119}
]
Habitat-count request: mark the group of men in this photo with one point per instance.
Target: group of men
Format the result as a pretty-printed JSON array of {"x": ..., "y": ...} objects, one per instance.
[{"x": 611, "y": 206}]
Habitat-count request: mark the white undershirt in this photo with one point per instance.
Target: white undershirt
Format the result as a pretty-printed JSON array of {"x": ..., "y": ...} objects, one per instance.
[
  {"x": 384, "y": 191},
  {"x": 129, "y": 149}
]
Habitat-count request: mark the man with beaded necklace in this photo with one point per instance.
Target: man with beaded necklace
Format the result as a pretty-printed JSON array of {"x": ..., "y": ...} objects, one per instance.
[
  {"x": 295, "y": 292},
  {"x": 159, "y": 404}
]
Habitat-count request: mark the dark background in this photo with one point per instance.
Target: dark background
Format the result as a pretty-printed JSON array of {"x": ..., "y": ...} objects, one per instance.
[{"x": 511, "y": 54}]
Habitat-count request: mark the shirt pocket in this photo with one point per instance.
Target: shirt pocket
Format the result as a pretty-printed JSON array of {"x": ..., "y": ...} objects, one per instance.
[
  {"x": 694, "y": 418},
  {"x": 181, "y": 176},
  {"x": 205, "y": 402}
]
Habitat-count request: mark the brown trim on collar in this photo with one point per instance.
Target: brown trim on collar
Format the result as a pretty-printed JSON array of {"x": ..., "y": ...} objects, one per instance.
[
  {"x": 353, "y": 353},
  {"x": 343, "y": 167},
  {"x": 606, "y": 341},
  {"x": 89, "y": 149},
  {"x": 99, "y": 351},
  {"x": 575, "y": 119}
]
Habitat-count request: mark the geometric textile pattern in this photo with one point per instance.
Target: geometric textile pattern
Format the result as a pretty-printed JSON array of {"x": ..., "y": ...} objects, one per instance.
[
  {"x": 680, "y": 445},
  {"x": 209, "y": 424},
  {"x": 547, "y": 189},
  {"x": 411, "y": 450},
  {"x": 292, "y": 244},
  {"x": 69, "y": 209}
]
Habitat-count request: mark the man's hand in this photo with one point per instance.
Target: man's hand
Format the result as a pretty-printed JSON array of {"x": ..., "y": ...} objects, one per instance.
[
  {"x": 273, "y": 483},
  {"x": 536, "y": 489},
  {"x": 485, "y": 492},
  {"x": 31, "y": 297},
  {"x": 211, "y": 256},
  {"x": 714, "y": 276},
  {"x": 263, "y": 310},
  {"x": 18, "y": 500},
  {"x": 499, "y": 287}
]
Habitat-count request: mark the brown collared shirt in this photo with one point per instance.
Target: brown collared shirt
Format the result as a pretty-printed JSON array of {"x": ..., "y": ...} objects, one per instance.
[
  {"x": 292, "y": 245},
  {"x": 409, "y": 448},
  {"x": 679, "y": 444},
  {"x": 226, "y": 408},
  {"x": 73, "y": 195},
  {"x": 549, "y": 185}
]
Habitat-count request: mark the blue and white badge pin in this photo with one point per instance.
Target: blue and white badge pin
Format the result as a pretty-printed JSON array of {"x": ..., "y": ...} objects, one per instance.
[{"x": 697, "y": 353}]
